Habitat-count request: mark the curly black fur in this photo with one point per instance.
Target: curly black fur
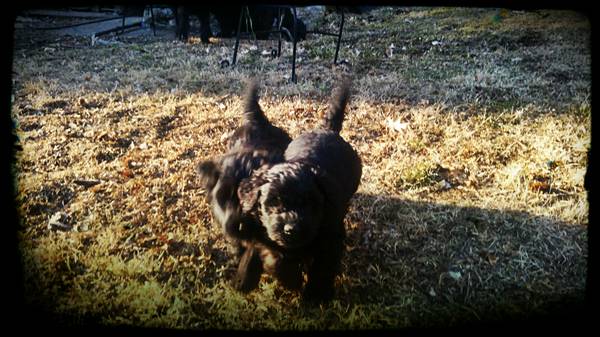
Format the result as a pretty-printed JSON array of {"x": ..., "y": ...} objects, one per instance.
[
  {"x": 300, "y": 204},
  {"x": 254, "y": 144}
]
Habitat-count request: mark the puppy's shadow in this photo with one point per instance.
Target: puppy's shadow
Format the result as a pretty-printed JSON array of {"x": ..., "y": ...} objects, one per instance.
[{"x": 489, "y": 262}]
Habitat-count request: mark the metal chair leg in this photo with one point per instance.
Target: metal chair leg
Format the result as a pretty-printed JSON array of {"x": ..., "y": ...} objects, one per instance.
[
  {"x": 153, "y": 23},
  {"x": 249, "y": 26},
  {"x": 279, "y": 24},
  {"x": 294, "y": 41},
  {"x": 237, "y": 37},
  {"x": 337, "y": 48}
]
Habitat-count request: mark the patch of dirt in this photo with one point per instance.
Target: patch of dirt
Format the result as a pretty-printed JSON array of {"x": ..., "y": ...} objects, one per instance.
[
  {"x": 164, "y": 126},
  {"x": 102, "y": 157}
]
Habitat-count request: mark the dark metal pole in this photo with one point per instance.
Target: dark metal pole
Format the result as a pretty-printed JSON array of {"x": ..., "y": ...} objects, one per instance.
[
  {"x": 337, "y": 48},
  {"x": 237, "y": 38},
  {"x": 123, "y": 23},
  {"x": 153, "y": 23},
  {"x": 294, "y": 79},
  {"x": 279, "y": 24}
]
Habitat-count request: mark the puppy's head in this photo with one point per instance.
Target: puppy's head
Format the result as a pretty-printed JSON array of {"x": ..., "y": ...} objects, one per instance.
[
  {"x": 287, "y": 201},
  {"x": 220, "y": 192},
  {"x": 221, "y": 178}
]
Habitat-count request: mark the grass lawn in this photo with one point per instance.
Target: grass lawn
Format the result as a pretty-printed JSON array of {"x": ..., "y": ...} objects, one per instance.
[{"x": 473, "y": 130}]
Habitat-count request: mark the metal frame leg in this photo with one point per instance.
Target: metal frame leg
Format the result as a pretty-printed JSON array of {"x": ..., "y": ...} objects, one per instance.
[
  {"x": 249, "y": 26},
  {"x": 244, "y": 10},
  {"x": 279, "y": 24},
  {"x": 337, "y": 48},
  {"x": 152, "y": 22},
  {"x": 237, "y": 37},
  {"x": 294, "y": 41}
]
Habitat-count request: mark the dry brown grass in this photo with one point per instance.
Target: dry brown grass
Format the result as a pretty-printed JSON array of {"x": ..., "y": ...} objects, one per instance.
[{"x": 471, "y": 206}]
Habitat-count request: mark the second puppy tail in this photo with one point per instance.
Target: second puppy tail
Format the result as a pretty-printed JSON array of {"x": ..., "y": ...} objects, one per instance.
[
  {"x": 252, "y": 110},
  {"x": 334, "y": 117}
]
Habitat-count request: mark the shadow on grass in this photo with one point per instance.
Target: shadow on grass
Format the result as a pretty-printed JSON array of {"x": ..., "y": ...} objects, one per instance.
[
  {"x": 451, "y": 265},
  {"x": 436, "y": 265}
]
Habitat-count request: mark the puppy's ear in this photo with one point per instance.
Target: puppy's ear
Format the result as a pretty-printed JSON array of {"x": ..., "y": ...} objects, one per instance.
[
  {"x": 249, "y": 188},
  {"x": 248, "y": 193},
  {"x": 209, "y": 174}
]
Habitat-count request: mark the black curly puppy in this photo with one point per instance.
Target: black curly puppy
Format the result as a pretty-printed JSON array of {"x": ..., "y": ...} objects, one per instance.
[
  {"x": 300, "y": 204},
  {"x": 255, "y": 143}
]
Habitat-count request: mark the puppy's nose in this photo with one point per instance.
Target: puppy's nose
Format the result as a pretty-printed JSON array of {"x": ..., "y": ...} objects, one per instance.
[{"x": 288, "y": 229}]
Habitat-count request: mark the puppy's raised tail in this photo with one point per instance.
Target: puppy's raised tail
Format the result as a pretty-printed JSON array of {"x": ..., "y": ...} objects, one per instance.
[
  {"x": 334, "y": 117},
  {"x": 252, "y": 110}
]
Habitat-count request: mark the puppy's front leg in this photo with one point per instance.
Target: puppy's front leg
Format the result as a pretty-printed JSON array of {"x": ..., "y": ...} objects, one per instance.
[
  {"x": 288, "y": 272},
  {"x": 322, "y": 272},
  {"x": 249, "y": 270}
]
